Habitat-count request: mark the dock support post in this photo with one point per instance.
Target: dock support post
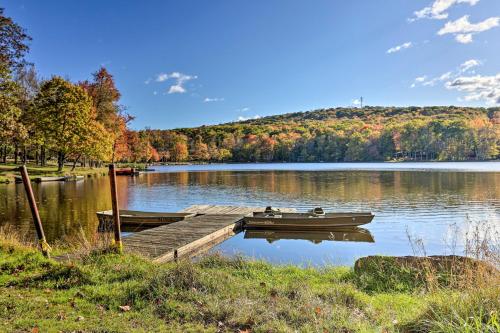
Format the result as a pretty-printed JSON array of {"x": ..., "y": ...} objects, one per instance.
[
  {"x": 116, "y": 211},
  {"x": 44, "y": 246}
]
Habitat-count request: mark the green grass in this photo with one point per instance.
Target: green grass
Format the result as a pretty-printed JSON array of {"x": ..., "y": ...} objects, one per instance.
[
  {"x": 218, "y": 294},
  {"x": 7, "y": 173}
]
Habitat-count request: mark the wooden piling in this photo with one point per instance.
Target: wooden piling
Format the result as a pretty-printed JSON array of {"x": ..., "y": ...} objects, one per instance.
[
  {"x": 116, "y": 210},
  {"x": 44, "y": 246}
]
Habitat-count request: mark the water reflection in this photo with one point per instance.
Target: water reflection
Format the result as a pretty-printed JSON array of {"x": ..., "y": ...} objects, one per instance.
[
  {"x": 422, "y": 203},
  {"x": 316, "y": 237}
]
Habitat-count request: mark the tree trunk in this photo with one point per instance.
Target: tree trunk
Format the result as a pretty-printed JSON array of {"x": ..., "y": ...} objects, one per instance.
[
  {"x": 75, "y": 161},
  {"x": 43, "y": 158},
  {"x": 16, "y": 152},
  {"x": 60, "y": 161}
]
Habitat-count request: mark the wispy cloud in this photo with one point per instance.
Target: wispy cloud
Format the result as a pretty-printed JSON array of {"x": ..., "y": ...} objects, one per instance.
[
  {"x": 419, "y": 79},
  {"x": 400, "y": 47},
  {"x": 213, "y": 99},
  {"x": 469, "y": 64},
  {"x": 438, "y": 9},
  {"x": 161, "y": 77},
  {"x": 245, "y": 109},
  {"x": 477, "y": 88},
  {"x": 241, "y": 118},
  {"x": 463, "y": 30},
  {"x": 180, "y": 79},
  {"x": 356, "y": 102}
]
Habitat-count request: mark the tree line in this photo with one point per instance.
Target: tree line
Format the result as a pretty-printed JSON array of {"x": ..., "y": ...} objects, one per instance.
[
  {"x": 58, "y": 119},
  {"x": 340, "y": 135}
]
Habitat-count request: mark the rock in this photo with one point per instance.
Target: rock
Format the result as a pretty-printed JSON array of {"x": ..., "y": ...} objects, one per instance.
[{"x": 439, "y": 264}]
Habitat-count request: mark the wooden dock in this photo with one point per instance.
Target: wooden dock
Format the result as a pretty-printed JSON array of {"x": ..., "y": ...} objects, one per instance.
[{"x": 192, "y": 236}]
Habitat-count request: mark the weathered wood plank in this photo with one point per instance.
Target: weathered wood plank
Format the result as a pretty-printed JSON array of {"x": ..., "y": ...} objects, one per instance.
[{"x": 191, "y": 236}]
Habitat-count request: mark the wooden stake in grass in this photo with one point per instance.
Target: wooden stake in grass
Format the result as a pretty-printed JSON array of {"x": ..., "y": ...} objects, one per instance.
[
  {"x": 116, "y": 210},
  {"x": 34, "y": 212}
]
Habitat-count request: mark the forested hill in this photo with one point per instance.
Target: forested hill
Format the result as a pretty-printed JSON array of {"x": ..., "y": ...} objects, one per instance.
[
  {"x": 378, "y": 114},
  {"x": 340, "y": 134}
]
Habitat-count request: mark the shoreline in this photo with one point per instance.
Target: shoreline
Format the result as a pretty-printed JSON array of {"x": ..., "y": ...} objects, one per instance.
[
  {"x": 106, "y": 291},
  {"x": 7, "y": 175}
]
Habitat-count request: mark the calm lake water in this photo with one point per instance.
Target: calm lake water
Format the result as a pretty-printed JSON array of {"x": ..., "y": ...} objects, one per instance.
[{"x": 426, "y": 200}]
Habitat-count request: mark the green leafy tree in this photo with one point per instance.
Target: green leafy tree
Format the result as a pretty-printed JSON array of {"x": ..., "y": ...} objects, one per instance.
[
  {"x": 11, "y": 128},
  {"x": 64, "y": 113}
]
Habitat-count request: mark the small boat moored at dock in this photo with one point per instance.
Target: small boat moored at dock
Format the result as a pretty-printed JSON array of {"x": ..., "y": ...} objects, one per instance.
[
  {"x": 126, "y": 172},
  {"x": 132, "y": 220},
  {"x": 316, "y": 219}
]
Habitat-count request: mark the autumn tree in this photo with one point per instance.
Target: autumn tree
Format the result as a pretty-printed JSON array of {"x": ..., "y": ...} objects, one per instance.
[
  {"x": 109, "y": 113},
  {"x": 64, "y": 113},
  {"x": 13, "y": 47},
  {"x": 199, "y": 150},
  {"x": 10, "y": 114},
  {"x": 13, "y": 43}
]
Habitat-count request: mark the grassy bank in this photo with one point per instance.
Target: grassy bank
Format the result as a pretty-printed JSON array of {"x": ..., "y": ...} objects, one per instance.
[
  {"x": 7, "y": 174},
  {"x": 112, "y": 293}
]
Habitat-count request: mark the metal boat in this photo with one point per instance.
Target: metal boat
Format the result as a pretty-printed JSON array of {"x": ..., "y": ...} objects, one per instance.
[
  {"x": 313, "y": 220},
  {"x": 132, "y": 220}
]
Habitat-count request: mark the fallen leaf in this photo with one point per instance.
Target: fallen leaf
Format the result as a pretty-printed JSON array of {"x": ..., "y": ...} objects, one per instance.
[
  {"x": 35, "y": 329},
  {"x": 124, "y": 308},
  {"x": 80, "y": 318}
]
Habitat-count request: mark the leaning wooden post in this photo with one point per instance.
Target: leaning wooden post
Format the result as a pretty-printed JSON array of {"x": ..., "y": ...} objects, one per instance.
[
  {"x": 116, "y": 210},
  {"x": 34, "y": 212}
]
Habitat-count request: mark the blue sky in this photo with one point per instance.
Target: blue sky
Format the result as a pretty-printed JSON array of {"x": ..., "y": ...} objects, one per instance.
[{"x": 188, "y": 63}]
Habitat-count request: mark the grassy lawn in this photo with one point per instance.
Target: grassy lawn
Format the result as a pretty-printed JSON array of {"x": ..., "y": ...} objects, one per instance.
[
  {"x": 7, "y": 174},
  {"x": 113, "y": 293}
]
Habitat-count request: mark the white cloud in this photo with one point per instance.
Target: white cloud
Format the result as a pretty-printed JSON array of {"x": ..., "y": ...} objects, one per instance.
[
  {"x": 155, "y": 92},
  {"x": 180, "y": 80},
  {"x": 241, "y": 118},
  {"x": 400, "y": 47},
  {"x": 469, "y": 64},
  {"x": 438, "y": 9},
  {"x": 422, "y": 80},
  {"x": 464, "y": 30},
  {"x": 245, "y": 109},
  {"x": 176, "y": 89},
  {"x": 356, "y": 102},
  {"x": 478, "y": 88},
  {"x": 214, "y": 99},
  {"x": 475, "y": 88},
  {"x": 161, "y": 77},
  {"x": 464, "y": 38}
]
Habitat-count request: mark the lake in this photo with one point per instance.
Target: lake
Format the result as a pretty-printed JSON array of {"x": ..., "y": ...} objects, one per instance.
[{"x": 428, "y": 201}]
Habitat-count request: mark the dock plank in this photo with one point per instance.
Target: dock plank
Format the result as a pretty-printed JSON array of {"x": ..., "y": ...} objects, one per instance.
[
  {"x": 212, "y": 225},
  {"x": 181, "y": 238}
]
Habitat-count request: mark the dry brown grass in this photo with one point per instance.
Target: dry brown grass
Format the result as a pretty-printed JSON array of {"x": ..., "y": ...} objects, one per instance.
[{"x": 477, "y": 265}]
